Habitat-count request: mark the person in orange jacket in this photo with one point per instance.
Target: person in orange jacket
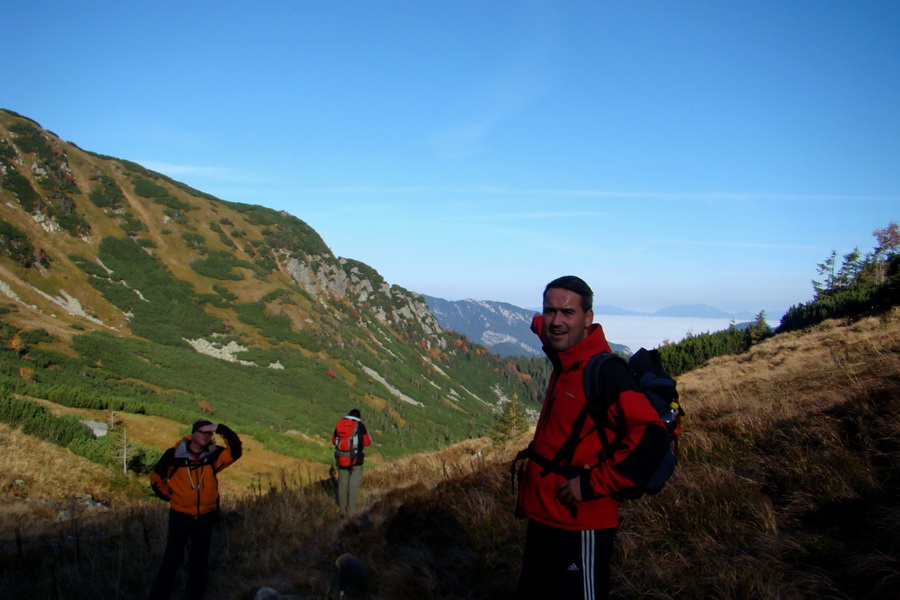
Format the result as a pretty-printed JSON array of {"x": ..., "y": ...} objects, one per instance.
[{"x": 185, "y": 477}]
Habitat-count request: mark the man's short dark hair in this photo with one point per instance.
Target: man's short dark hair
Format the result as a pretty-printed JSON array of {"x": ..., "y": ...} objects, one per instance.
[
  {"x": 198, "y": 424},
  {"x": 574, "y": 284},
  {"x": 354, "y": 412}
]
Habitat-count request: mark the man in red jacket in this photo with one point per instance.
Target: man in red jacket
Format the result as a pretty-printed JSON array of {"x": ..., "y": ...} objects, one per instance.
[{"x": 572, "y": 515}]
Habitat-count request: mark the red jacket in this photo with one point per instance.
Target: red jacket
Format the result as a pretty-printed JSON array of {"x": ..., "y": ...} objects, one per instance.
[{"x": 629, "y": 419}]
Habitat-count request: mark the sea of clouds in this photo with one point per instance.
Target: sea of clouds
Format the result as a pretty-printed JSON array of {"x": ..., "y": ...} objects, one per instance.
[{"x": 650, "y": 332}]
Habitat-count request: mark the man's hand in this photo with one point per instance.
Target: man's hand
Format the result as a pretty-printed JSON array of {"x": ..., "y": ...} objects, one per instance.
[{"x": 569, "y": 492}]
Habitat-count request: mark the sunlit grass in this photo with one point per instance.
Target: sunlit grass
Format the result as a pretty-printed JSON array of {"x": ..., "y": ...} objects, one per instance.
[{"x": 787, "y": 488}]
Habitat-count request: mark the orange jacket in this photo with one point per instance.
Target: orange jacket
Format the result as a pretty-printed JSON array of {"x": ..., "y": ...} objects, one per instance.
[{"x": 187, "y": 481}]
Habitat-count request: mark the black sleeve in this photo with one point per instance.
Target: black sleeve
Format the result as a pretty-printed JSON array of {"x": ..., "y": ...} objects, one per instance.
[
  {"x": 232, "y": 439},
  {"x": 161, "y": 471},
  {"x": 164, "y": 462}
]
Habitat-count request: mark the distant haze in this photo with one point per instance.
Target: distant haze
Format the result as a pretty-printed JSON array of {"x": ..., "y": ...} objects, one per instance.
[
  {"x": 650, "y": 332},
  {"x": 505, "y": 328}
]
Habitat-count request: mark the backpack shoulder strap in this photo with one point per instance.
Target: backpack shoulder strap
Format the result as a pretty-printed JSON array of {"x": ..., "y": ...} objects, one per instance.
[
  {"x": 593, "y": 390},
  {"x": 598, "y": 402},
  {"x": 561, "y": 463}
]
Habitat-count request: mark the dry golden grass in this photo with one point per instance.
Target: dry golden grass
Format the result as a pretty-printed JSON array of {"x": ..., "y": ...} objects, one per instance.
[
  {"x": 38, "y": 481},
  {"x": 789, "y": 464},
  {"x": 257, "y": 467},
  {"x": 787, "y": 488}
]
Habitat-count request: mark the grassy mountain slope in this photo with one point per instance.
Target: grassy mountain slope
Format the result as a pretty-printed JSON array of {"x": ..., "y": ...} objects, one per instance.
[
  {"x": 787, "y": 488},
  {"x": 125, "y": 289}
]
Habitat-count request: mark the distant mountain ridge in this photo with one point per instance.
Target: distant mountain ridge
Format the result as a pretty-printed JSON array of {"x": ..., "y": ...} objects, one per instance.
[
  {"x": 696, "y": 311},
  {"x": 502, "y": 327},
  {"x": 506, "y": 328}
]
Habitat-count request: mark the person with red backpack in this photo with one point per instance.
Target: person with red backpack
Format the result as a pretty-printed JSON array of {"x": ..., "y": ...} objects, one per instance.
[
  {"x": 570, "y": 483},
  {"x": 349, "y": 439}
]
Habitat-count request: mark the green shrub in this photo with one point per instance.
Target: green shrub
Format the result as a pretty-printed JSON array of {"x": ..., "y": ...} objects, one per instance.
[
  {"x": 21, "y": 187},
  {"x": 37, "y": 336},
  {"x": 280, "y": 294},
  {"x": 176, "y": 215},
  {"x": 224, "y": 293},
  {"x": 194, "y": 240},
  {"x": 147, "y": 189},
  {"x": 7, "y": 152},
  {"x": 15, "y": 244},
  {"x": 219, "y": 265},
  {"x": 88, "y": 266},
  {"x": 163, "y": 308},
  {"x": 36, "y": 420},
  {"x": 174, "y": 203},
  {"x": 131, "y": 225},
  {"x": 106, "y": 194},
  {"x": 68, "y": 219}
]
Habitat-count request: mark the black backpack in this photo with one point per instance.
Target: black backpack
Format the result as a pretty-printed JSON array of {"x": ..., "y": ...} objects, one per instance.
[{"x": 660, "y": 389}]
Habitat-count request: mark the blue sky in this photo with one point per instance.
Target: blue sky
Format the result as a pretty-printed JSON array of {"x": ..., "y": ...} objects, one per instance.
[{"x": 667, "y": 152}]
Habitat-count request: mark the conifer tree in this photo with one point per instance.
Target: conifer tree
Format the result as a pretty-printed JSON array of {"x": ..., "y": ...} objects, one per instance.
[
  {"x": 826, "y": 269},
  {"x": 510, "y": 423},
  {"x": 848, "y": 274}
]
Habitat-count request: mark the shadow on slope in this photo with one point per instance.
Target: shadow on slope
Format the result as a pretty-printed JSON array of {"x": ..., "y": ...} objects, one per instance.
[{"x": 787, "y": 488}]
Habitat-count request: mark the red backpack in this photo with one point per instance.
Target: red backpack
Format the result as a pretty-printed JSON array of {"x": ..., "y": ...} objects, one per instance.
[{"x": 346, "y": 442}]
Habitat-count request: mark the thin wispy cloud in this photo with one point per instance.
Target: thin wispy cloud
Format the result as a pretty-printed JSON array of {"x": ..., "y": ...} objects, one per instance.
[
  {"x": 191, "y": 170},
  {"x": 732, "y": 244},
  {"x": 526, "y": 71},
  {"x": 500, "y": 190},
  {"x": 525, "y": 216},
  {"x": 460, "y": 141},
  {"x": 704, "y": 196}
]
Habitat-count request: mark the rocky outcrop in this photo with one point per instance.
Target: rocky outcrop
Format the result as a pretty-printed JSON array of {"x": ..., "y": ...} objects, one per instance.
[{"x": 345, "y": 281}]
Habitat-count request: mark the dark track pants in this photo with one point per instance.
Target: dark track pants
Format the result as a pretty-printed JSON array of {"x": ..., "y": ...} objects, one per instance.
[
  {"x": 183, "y": 528},
  {"x": 565, "y": 565}
]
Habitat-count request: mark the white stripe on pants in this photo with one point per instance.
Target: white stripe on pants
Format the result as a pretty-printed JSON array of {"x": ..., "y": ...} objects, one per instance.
[{"x": 587, "y": 563}]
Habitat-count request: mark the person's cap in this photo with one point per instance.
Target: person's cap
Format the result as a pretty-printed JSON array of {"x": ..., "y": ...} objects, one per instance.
[{"x": 200, "y": 423}]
